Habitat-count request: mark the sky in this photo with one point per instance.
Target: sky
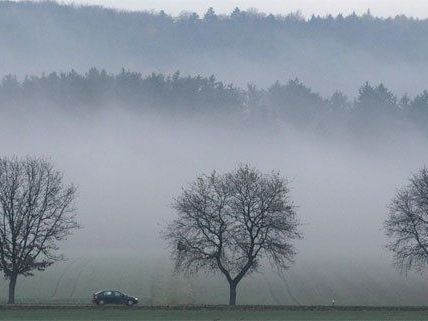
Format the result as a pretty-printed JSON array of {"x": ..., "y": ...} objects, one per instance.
[{"x": 416, "y": 8}]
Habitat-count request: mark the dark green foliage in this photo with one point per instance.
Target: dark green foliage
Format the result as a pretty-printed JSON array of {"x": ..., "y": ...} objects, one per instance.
[
  {"x": 297, "y": 103},
  {"x": 97, "y": 88},
  {"x": 375, "y": 109},
  {"x": 374, "y": 101}
]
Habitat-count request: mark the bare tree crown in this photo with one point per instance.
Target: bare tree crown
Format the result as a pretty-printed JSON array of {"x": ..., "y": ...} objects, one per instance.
[
  {"x": 407, "y": 224},
  {"x": 36, "y": 211},
  {"x": 231, "y": 222}
]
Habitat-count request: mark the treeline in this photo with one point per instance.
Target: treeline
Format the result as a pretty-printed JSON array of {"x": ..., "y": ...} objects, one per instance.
[
  {"x": 189, "y": 96},
  {"x": 327, "y": 51},
  {"x": 157, "y": 31},
  {"x": 157, "y": 92}
]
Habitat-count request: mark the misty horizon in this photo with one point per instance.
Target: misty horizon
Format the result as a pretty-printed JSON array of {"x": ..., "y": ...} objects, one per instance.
[
  {"x": 132, "y": 106},
  {"x": 412, "y": 8}
]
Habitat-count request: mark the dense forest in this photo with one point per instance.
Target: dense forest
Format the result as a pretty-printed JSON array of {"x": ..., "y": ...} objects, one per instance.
[
  {"x": 327, "y": 53},
  {"x": 375, "y": 107},
  {"x": 368, "y": 74}
]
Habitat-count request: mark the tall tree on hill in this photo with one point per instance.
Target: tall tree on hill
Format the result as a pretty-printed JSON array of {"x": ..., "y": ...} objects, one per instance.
[{"x": 36, "y": 212}]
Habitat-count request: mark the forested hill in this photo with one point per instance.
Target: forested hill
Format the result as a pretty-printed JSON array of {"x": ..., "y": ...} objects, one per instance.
[
  {"x": 375, "y": 109},
  {"x": 327, "y": 53}
]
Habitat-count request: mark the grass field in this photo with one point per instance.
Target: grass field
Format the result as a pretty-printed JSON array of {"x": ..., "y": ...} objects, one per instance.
[{"x": 123, "y": 314}]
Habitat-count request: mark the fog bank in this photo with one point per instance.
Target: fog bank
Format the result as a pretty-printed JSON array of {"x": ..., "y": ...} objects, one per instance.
[{"x": 129, "y": 167}]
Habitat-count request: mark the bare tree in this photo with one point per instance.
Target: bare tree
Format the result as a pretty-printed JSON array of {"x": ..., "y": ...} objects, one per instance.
[
  {"x": 231, "y": 223},
  {"x": 407, "y": 224},
  {"x": 36, "y": 212}
]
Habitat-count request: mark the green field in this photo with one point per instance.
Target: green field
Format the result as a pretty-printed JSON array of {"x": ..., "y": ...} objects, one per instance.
[{"x": 119, "y": 314}]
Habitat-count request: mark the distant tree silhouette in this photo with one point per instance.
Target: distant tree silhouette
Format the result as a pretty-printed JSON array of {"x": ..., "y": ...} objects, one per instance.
[
  {"x": 235, "y": 13},
  {"x": 374, "y": 110},
  {"x": 339, "y": 102},
  {"x": 418, "y": 109},
  {"x": 297, "y": 103},
  {"x": 375, "y": 101},
  {"x": 210, "y": 15}
]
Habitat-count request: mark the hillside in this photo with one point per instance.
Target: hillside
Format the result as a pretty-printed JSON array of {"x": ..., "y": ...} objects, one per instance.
[{"x": 327, "y": 53}]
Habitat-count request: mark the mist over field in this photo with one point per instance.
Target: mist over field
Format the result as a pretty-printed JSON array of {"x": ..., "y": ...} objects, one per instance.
[
  {"x": 129, "y": 167},
  {"x": 131, "y": 140}
]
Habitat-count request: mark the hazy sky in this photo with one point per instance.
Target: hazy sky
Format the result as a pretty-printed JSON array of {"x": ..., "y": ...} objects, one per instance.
[{"x": 418, "y": 8}]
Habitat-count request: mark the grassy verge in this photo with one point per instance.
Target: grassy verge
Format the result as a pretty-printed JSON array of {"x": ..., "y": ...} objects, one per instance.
[{"x": 207, "y": 313}]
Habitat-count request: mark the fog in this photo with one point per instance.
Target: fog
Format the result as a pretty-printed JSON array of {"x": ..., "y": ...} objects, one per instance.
[
  {"x": 329, "y": 53},
  {"x": 129, "y": 166},
  {"x": 345, "y": 158}
]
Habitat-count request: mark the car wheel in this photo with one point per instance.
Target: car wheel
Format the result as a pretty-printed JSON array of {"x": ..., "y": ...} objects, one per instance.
[
  {"x": 130, "y": 303},
  {"x": 101, "y": 302}
]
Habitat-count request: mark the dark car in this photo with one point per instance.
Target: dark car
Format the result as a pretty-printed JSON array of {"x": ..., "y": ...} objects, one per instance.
[{"x": 113, "y": 297}]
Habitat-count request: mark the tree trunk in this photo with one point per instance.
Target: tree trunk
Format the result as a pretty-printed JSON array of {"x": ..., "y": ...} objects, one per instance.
[
  {"x": 232, "y": 295},
  {"x": 12, "y": 284}
]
